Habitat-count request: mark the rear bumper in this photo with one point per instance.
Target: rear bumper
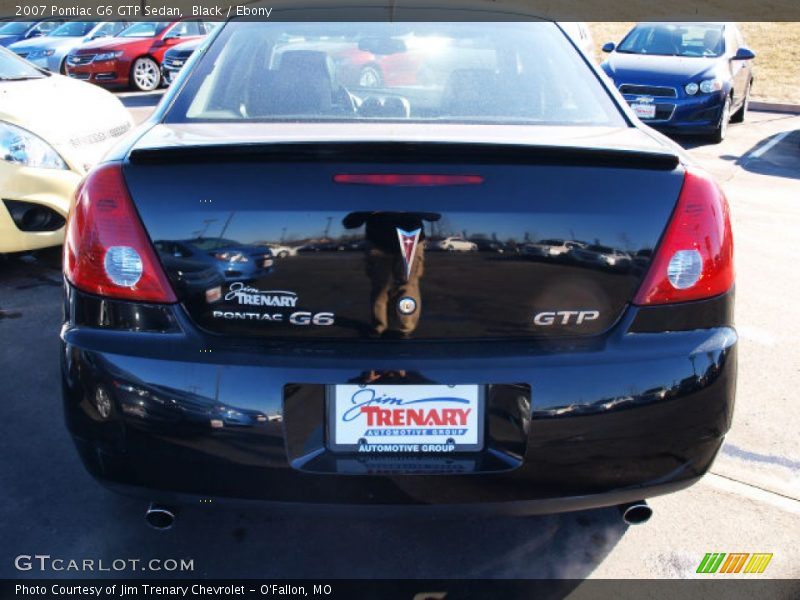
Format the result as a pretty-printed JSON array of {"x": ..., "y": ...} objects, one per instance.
[{"x": 633, "y": 416}]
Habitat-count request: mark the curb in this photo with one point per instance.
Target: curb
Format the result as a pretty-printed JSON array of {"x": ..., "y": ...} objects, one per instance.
[{"x": 792, "y": 109}]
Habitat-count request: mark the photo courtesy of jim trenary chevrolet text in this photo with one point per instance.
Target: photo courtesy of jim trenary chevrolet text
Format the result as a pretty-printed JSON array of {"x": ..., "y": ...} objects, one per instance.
[{"x": 415, "y": 299}]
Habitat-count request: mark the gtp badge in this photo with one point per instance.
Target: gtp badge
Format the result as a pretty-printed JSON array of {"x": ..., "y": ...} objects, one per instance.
[{"x": 408, "y": 247}]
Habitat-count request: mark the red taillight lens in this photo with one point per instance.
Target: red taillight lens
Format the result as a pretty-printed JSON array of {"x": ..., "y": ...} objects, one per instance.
[
  {"x": 106, "y": 251},
  {"x": 406, "y": 179},
  {"x": 695, "y": 257}
]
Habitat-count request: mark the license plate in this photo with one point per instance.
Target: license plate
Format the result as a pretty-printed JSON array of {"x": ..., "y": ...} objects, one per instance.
[
  {"x": 267, "y": 263},
  {"x": 644, "y": 110},
  {"x": 402, "y": 419}
]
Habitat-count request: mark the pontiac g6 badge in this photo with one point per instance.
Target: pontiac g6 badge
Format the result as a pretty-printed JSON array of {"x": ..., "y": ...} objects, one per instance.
[{"x": 408, "y": 248}]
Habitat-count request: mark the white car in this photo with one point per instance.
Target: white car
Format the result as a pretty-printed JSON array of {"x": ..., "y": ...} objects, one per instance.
[
  {"x": 456, "y": 244},
  {"x": 551, "y": 248},
  {"x": 281, "y": 251},
  {"x": 52, "y": 130}
]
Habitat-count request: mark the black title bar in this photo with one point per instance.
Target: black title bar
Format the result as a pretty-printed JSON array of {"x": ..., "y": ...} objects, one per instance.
[{"x": 403, "y": 10}]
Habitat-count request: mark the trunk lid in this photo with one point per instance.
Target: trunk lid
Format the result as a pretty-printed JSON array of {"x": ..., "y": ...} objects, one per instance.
[{"x": 553, "y": 241}]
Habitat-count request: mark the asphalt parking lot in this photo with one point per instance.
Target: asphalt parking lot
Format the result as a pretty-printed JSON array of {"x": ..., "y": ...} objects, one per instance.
[{"x": 749, "y": 503}]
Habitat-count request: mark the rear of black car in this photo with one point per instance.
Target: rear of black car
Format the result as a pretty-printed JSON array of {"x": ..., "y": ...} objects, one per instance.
[{"x": 368, "y": 366}]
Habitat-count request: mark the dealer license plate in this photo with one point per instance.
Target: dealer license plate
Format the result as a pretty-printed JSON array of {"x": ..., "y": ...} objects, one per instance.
[
  {"x": 397, "y": 419},
  {"x": 644, "y": 110}
]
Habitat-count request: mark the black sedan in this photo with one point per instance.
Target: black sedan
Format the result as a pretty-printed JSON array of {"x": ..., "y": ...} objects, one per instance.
[
  {"x": 392, "y": 377},
  {"x": 691, "y": 78}
]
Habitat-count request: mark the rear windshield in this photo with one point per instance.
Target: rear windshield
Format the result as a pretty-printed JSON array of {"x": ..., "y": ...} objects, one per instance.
[
  {"x": 672, "y": 39},
  {"x": 462, "y": 72}
]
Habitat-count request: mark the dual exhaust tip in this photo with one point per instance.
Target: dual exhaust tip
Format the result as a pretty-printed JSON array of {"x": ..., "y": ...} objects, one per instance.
[
  {"x": 162, "y": 517},
  {"x": 636, "y": 513}
]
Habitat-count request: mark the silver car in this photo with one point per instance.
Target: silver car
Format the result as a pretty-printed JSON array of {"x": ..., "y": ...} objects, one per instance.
[{"x": 49, "y": 52}]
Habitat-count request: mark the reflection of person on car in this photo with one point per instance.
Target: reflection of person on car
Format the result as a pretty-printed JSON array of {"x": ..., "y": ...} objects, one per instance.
[{"x": 392, "y": 279}]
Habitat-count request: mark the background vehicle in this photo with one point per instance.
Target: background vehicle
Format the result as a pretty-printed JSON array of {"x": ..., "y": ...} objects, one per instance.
[
  {"x": 551, "y": 248},
  {"x": 487, "y": 245},
  {"x": 552, "y": 356},
  {"x": 133, "y": 56},
  {"x": 52, "y": 130},
  {"x": 175, "y": 58},
  {"x": 50, "y": 51},
  {"x": 282, "y": 251},
  {"x": 684, "y": 77},
  {"x": 14, "y": 31},
  {"x": 455, "y": 244},
  {"x": 233, "y": 260},
  {"x": 601, "y": 256}
]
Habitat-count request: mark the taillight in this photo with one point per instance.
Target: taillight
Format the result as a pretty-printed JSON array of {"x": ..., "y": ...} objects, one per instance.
[
  {"x": 106, "y": 251},
  {"x": 695, "y": 257},
  {"x": 411, "y": 179}
]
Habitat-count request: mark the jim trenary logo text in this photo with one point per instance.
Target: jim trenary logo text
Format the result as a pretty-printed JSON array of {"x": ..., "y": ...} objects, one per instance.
[{"x": 364, "y": 403}]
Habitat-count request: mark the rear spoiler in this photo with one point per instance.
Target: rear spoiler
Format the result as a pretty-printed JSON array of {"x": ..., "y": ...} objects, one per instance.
[{"x": 409, "y": 152}]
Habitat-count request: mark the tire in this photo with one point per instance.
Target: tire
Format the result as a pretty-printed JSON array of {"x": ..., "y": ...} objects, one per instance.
[
  {"x": 740, "y": 115},
  {"x": 62, "y": 70},
  {"x": 370, "y": 77},
  {"x": 722, "y": 129},
  {"x": 145, "y": 74},
  {"x": 283, "y": 254}
]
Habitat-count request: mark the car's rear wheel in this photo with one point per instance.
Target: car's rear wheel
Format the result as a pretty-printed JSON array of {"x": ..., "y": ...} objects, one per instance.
[
  {"x": 63, "y": 68},
  {"x": 740, "y": 115},
  {"x": 145, "y": 74},
  {"x": 725, "y": 116}
]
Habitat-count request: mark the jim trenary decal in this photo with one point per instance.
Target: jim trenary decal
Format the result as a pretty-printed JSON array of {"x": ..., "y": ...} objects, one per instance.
[{"x": 245, "y": 295}]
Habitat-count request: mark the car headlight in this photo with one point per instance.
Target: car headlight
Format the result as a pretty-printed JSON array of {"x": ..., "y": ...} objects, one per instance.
[
  {"x": 691, "y": 88},
  {"x": 710, "y": 85},
  {"x": 21, "y": 147},
  {"x": 41, "y": 54},
  {"x": 234, "y": 257},
  {"x": 107, "y": 56}
]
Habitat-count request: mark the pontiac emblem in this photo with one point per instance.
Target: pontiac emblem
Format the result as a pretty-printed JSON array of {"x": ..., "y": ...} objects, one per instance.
[{"x": 408, "y": 247}]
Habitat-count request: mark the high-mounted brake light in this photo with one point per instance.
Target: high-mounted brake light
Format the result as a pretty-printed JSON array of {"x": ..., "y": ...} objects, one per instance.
[
  {"x": 695, "y": 257},
  {"x": 411, "y": 179},
  {"x": 106, "y": 251}
]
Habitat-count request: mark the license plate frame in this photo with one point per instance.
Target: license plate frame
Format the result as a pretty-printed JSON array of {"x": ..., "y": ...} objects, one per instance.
[
  {"x": 639, "y": 109},
  {"x": 343, "y": 440}
]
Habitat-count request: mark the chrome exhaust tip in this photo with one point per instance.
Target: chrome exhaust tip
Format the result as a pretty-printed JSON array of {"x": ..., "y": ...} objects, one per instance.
[
  {"x": 160, "y": 517},
  {"x": 636, "y": 513}
]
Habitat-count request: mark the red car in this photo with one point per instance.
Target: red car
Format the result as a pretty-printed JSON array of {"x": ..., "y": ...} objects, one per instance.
[{"x": 133, "y": 56}]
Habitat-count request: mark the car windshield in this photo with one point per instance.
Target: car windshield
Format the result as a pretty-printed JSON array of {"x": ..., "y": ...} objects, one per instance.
[
  {"x": 508, "y": 73},
  {"x": 15, "y": 27},
  {"x": 13, "y": 68},
  {"x": 671, "y": 39},
  {"x": 74, "y": 29},
  {"x": 145, "y": 29}
]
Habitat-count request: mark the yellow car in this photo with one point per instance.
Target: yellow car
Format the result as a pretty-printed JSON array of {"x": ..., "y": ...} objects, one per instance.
[{"x": 52, "y": 130}]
